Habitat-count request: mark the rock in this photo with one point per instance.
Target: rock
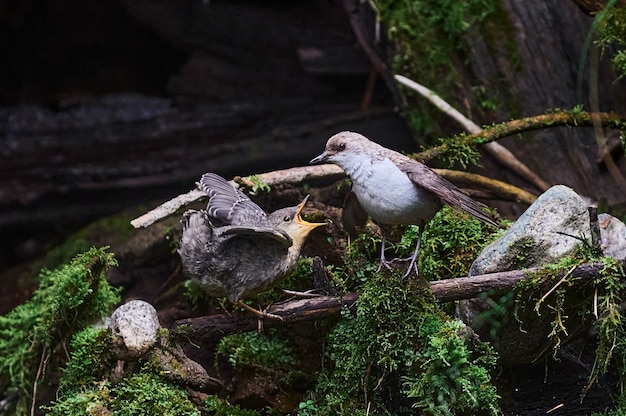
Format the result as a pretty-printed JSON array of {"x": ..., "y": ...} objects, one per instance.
[
  {"x": 551, "y": 228},
  {"x": 134, "y": 327},
  {"x": 613, "y": 235},
  {"x": 135, "y": 330}
]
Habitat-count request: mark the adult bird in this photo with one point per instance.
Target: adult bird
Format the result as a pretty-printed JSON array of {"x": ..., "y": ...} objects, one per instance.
[
  {"x": 394, "y": 189},
  {"x": 234, "y": 248}
]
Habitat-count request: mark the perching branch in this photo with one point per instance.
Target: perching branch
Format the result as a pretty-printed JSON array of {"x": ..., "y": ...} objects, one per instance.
[
  {"x": 298, "y": 175},
  {"x": 302, "y": 310}
]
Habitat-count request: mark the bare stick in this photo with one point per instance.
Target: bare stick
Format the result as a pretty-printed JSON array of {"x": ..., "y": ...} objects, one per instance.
[{"x": 167, "y": 208}]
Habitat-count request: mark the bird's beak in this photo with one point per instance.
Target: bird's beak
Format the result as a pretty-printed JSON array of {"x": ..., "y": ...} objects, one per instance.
[
  {"x": 302, "y": 222},
  {"x": 320, "y": 159}
]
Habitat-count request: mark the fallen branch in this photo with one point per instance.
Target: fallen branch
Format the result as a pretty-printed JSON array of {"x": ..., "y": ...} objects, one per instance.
[{"x": 302, "y": 310}]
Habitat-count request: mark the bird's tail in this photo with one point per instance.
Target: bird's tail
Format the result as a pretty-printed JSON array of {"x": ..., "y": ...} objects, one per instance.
[{"x": 474, "y": 208}]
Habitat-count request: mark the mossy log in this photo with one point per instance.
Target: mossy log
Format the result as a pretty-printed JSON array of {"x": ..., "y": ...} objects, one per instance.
[{"x": 322, "y": 307}]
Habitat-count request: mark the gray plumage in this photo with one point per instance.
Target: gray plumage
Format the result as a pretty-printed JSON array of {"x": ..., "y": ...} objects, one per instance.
[
  {"x": 233, "y": 248},
  {"x": 392, "y": 188}
]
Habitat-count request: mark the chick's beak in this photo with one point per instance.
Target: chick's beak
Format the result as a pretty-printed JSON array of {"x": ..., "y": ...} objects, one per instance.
[
  {"x": 300, "y": 221},
  {"x": 319, "y": 159}
]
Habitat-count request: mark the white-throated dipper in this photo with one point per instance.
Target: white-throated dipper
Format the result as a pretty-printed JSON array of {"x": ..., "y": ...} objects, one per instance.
[
  {"x": 394, "y": 189},
  {"x": 234, "y": 248}
]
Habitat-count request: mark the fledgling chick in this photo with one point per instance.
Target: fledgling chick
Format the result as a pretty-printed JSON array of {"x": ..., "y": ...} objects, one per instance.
[
  {"x": 394, "y": 189},
  {"x": 234, "y": 248}
]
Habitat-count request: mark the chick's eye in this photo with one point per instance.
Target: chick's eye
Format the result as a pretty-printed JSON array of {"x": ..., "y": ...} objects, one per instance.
[
  {"x": 286, "y": 218},
  {"x": 342, "y": 146}
]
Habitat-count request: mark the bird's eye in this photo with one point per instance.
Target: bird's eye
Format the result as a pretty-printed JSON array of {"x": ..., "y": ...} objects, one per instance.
[
  {"x": 342, "y": 146},
  {"x": 287, "y": 218}
]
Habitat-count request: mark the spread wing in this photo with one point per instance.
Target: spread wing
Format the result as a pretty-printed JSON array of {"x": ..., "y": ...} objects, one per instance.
[
  {"x": 426, "y": 178},
  {"x": 228, "y": 205},
  {"x": 260, "y": 232}
]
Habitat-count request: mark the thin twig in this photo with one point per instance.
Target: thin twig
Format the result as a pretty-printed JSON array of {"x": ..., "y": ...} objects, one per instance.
[
  {"x": 569, "y": 272},
  {"x": 167, "y": 208}
]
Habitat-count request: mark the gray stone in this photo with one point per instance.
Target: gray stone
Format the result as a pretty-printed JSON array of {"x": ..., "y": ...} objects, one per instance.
[
  {"x": 552, "y": 227},
  {"x": 134, "y": 326},
  {"x": 613, "y": 235},
  {"x": 549, "y": 229}
]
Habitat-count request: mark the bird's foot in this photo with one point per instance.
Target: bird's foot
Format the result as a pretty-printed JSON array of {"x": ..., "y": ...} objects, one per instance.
[
  {"x": 384, "y": 262},
  {"x": 412, "y": 265}
]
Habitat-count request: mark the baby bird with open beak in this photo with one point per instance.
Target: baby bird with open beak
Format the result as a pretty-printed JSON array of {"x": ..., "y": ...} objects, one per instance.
[{"x": 235, "y": 249}]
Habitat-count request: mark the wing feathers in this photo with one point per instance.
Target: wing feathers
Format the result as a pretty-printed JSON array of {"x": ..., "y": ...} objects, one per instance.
[
  {"x": 426, "y": 178},
  {"x": 228, "y": 205}
]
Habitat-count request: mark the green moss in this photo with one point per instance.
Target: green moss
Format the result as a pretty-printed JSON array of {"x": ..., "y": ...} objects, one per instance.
[
  {"x": 257, "y": 184},
  {"x": 85, "y": 386},
  {"x": 90, "y": 361},
  {"x": 398, "y": 351},
  {"x": 252, "y": 349},
  {"x": 610, "y": 27},
  {"x": 451, "y": 242},
  {"x": 380, "y": 358},
  {"x": 91, "y": 401},
  {"x": 550, "y": 291},
  {"x": 610, "y": 323},
  {"x": 458, "y": 151},
  {"x": 432, "y": 38},
  {"x": 360, "y": 262},
  {"x": 453, "y": 379},
  {"x": 145, "y": 393},
  {"x": 519, "y": 253},
  {"x": 219, "y": 407},
  {"x": 67, "y": 300}
]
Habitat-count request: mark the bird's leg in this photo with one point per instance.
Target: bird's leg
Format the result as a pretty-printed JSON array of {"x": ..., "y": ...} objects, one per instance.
[
  {"x": 260, "y": 314},
  {"x": 413, "y": 258},
  {"x": 383, "y": 260}
]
